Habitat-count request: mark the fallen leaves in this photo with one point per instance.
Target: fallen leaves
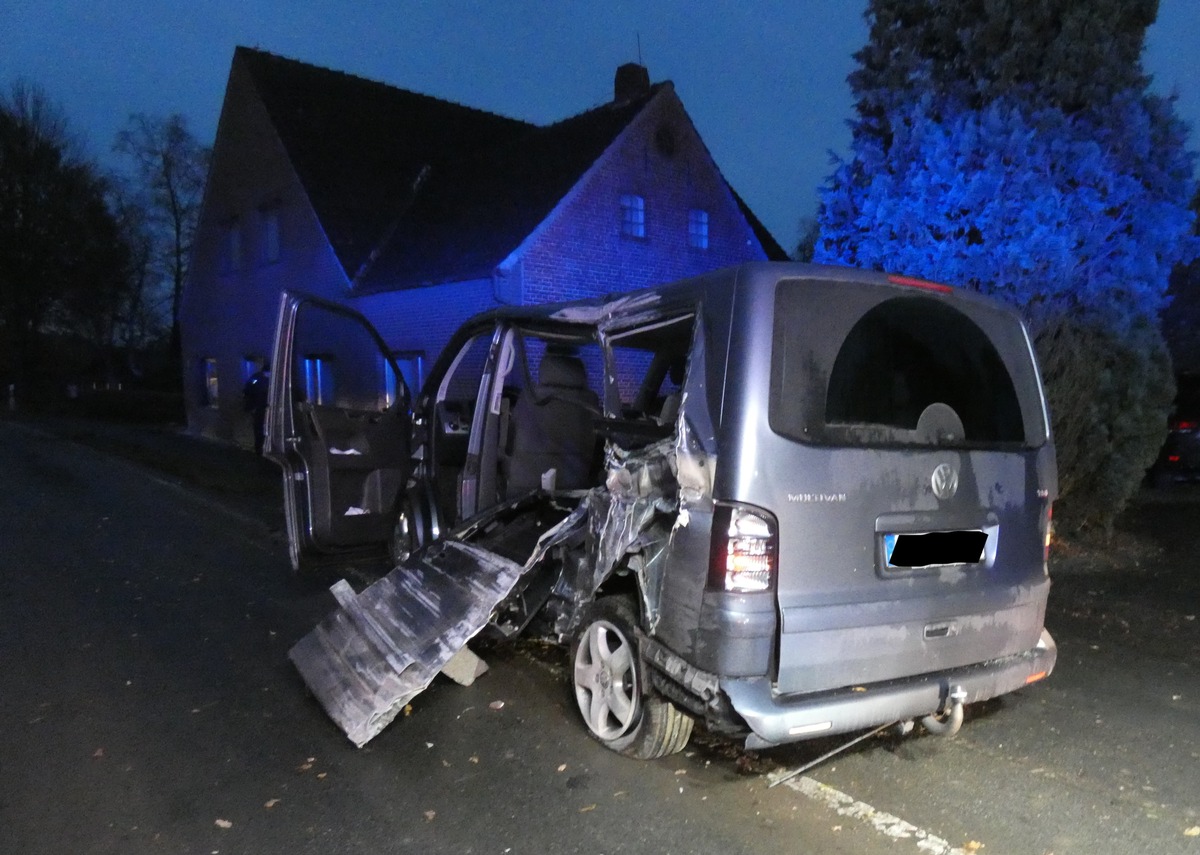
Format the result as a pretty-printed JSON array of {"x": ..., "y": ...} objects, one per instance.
[
  {"x": 1194, "y": 831},
  {"x": 429, "y": 815},
  {"x": 496, "y": 705},
  {"x": 271, "y": 803},
  {"x": 972, "y": 846},
  {"x": 223, "y": 823},
  {"x": 587, "y": 809}
]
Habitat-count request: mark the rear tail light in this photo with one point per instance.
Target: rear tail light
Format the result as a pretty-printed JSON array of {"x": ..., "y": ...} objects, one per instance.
[
  {"x": 1185, "y": 424},
  {"x": 745, "y": 549}
]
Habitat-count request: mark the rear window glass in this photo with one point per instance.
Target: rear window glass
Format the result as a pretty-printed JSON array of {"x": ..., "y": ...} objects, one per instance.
[{"x": 855, "y": 365}]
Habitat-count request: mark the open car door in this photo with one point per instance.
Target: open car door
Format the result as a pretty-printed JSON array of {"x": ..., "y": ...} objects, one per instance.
[{"x": 339, "y": 426}]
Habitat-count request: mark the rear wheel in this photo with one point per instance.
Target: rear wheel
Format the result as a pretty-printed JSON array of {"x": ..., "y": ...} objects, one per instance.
[{"x": 617, "y": 706}]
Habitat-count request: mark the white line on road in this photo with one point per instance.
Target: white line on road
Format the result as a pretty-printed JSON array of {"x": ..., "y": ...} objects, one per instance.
[{"x": 885, "y": 823}]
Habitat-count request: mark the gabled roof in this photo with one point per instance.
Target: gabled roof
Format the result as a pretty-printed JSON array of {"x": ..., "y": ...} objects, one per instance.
[
  {"x": 414, "y": 190},
  {"x": 473, "y": 212},
  {"x": 358, "y": 146}
]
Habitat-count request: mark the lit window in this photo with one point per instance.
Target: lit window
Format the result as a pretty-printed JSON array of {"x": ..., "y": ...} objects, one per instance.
[
  {"x": 318, "y": 379},
  {"x": 633, "y": 216},
  {"x": 698, "y": 229},
  {"x": 208, "y": 375},
  {"x": 271, "y": 235},
  {"x": 412, "y": 368}
]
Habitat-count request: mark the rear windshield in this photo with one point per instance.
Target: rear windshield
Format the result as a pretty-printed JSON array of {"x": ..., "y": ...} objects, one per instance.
[{"x": 854, "y": 365}]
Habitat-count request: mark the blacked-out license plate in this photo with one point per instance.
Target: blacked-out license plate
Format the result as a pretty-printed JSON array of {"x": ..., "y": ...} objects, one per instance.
[{"x": 934, "y": 548}]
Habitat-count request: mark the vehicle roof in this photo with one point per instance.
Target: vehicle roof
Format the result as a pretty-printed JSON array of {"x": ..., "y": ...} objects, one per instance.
[{"x": 619, "y": 306}]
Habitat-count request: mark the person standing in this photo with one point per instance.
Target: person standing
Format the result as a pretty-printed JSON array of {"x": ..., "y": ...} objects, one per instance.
[{"x": 254, "y": 400}]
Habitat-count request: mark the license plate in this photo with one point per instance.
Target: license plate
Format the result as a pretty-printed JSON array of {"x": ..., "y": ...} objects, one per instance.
[{"x": 934, "y": 548}]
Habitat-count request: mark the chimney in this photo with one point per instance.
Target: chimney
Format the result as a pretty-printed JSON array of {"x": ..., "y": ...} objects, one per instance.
[{"x": 632, "y": 81}]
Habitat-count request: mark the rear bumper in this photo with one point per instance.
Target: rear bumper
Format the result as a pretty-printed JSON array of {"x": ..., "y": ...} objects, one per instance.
[{"x": 775, "y": 719}]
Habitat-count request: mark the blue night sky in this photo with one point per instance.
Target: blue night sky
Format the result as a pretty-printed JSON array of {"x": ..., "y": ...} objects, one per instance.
[{"x": 764, "y": 81}]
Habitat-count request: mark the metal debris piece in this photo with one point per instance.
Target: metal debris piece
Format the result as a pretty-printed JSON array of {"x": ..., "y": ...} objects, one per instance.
[{"x": 381, "y": 648}]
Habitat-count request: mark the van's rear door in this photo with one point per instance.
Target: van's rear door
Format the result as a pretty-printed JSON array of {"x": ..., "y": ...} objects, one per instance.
[
  {"x": 911, "y": 474},
  {"x": 339, "y": 426}
]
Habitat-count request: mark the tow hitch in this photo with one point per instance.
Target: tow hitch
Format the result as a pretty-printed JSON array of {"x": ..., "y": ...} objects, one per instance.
[
  {"x": 949, "y": 719},
  {"x": 946, "y": 722}
]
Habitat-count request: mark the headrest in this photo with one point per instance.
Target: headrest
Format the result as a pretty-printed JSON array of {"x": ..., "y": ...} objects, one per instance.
[{"x": 565, "y": 371}]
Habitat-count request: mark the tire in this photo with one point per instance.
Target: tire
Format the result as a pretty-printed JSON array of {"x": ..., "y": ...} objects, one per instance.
[{"x": 609, "y": 682}]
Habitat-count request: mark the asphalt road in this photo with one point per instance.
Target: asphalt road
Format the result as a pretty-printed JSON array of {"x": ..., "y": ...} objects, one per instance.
[{"x": 147, "y": 705}]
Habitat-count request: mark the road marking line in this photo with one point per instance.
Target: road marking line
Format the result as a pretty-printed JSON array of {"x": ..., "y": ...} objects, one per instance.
[{"x": 885, "y": 823}]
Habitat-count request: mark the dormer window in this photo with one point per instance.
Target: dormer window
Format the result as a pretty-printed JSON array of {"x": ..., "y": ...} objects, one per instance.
[{"x": 633, "y": 216}]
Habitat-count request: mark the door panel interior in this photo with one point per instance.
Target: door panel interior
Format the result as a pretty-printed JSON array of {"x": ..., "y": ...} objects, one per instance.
[{"x": 347, "y": 444}]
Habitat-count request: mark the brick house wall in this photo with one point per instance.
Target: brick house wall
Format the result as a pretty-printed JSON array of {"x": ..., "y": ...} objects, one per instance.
[
  {"x": 228, "y": 311},
  {"x": 581, "y": 252},
  {"x": 421, "y": 320}
]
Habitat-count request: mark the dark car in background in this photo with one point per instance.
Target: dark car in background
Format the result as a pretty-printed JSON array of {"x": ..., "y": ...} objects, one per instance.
[
  {"x": 1179, "y": 459},
  {"x": 787, "y": 500}
]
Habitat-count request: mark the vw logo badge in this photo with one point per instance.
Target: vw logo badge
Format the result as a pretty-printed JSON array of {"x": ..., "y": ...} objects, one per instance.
[{"x": 945, "y": 481}]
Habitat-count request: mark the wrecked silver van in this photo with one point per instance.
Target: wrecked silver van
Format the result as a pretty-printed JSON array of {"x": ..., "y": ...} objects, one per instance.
[{"x": 786, "y": 500}]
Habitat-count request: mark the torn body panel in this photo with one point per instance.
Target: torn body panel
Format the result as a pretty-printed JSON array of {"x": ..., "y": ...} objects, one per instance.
[
  {"x": 383, "y": 647},
  {"x": 649, "y": 495}
]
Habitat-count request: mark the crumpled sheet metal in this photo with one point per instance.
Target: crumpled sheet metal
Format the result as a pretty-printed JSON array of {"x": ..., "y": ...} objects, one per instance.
[
  {"x": 640, "y": 487},
  {"x": 381, "y": 648},
  {"x": 630, "y": 308},
  {"x": 649, "y": 493}
]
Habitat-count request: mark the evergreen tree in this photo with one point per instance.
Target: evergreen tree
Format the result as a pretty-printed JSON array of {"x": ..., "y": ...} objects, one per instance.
[
  {"x": 1010, "y": 146},
  {"x": 1069, "y": 54}
]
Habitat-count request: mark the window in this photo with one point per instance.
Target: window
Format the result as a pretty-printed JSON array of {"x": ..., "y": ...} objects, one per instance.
[
  {"x": 698, "y": 229},
  {"x": 412, "y": 367},
  {"x": 908, "y": 370},
  {"x": 208, "y": 376},
  {"x": 633, "y": 216},
  {"x": 271, "y": 248},
  {"x": 648, "y": 364},
  {"x": 231, "y": 248},
  {"x": 318, "y": 380}
]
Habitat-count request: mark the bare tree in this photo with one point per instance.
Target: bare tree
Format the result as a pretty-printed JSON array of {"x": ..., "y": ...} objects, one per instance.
[
  {"x": 170, "y": 169},
  {"x": 58, "y": 241}
]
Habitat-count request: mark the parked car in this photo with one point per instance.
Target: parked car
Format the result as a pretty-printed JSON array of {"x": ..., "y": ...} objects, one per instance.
[
  {"x": 1179, "y": 459},
  {"x": 787, "y": 500}
]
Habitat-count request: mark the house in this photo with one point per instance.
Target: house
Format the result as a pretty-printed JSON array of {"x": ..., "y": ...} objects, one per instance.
[{"x": 418, "y": 212}]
